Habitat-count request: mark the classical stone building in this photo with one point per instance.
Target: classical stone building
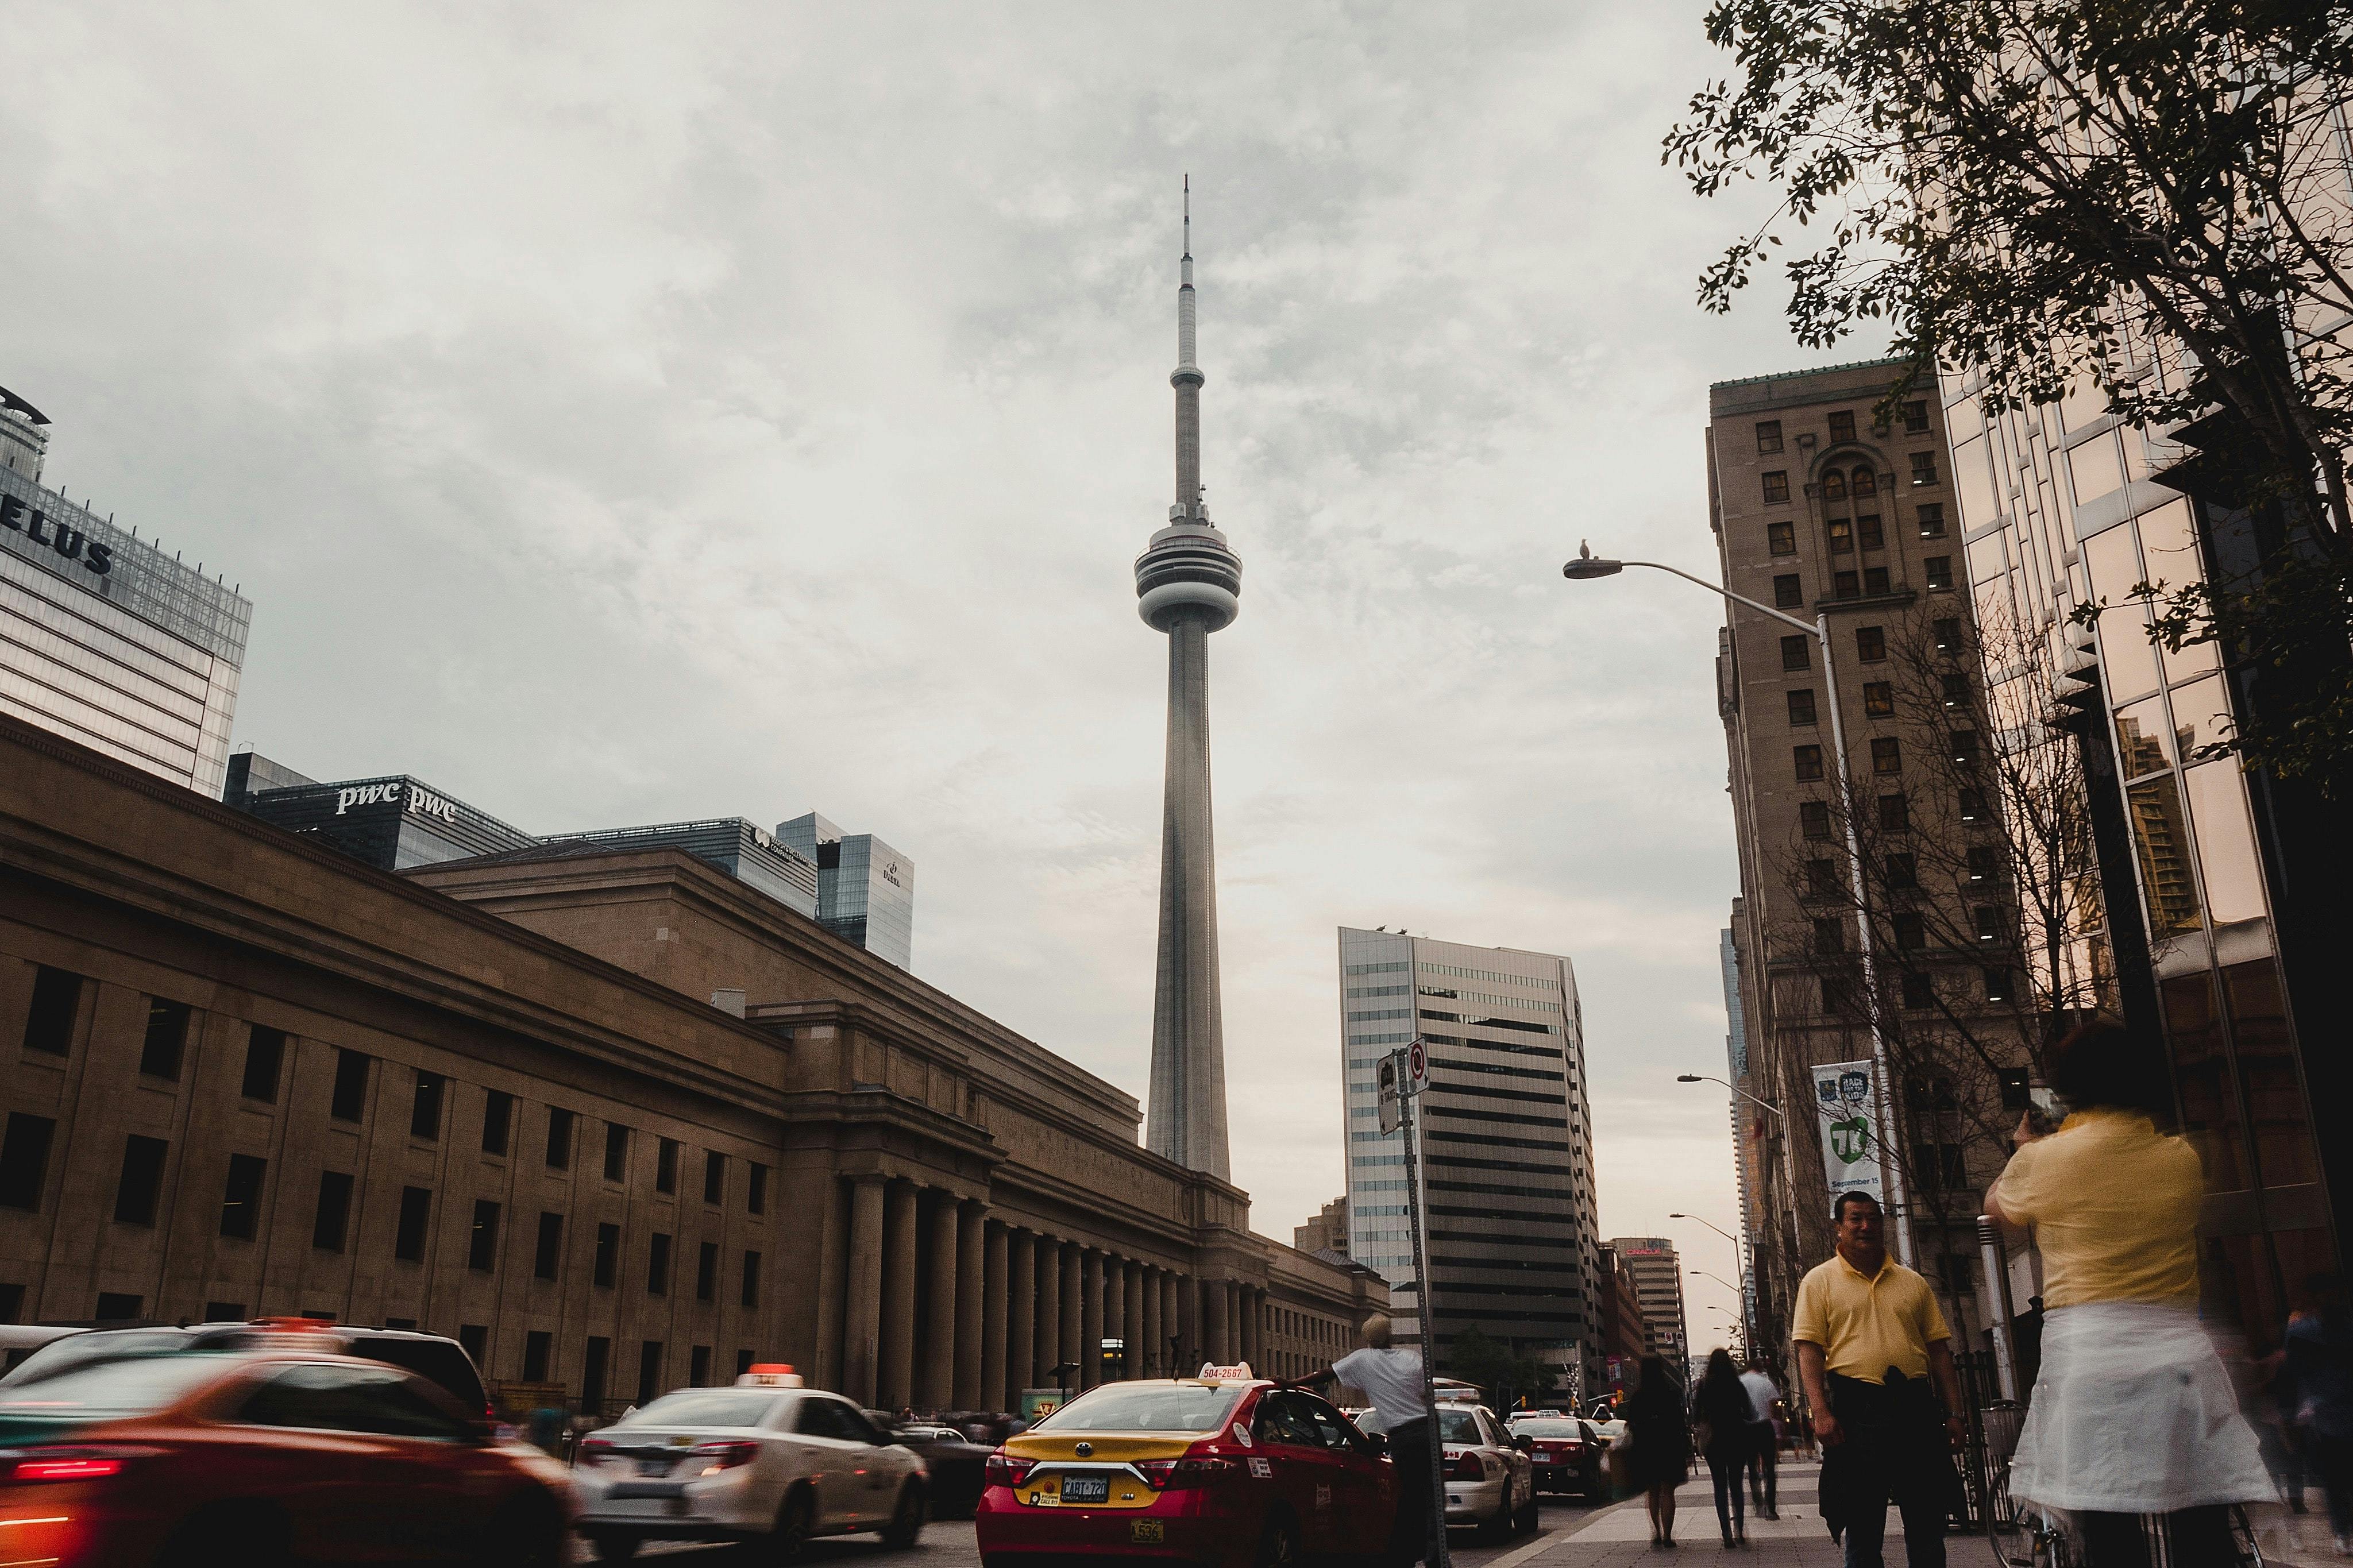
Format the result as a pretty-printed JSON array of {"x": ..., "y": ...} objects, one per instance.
[{"x": 614, "y": 1119}]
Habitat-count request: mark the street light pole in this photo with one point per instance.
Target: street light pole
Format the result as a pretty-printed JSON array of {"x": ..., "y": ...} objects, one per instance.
[
  {"x": 1742, "y": 1254},
  {"x": 1891, "y": 1167}
]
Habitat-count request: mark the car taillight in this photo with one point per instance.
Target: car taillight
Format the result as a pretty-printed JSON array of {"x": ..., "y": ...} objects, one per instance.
[
  {"x": 718, "y": 1457},
  {"x": 1466, "y": 1467},
  {"x": 592, "y": 1451},
  {"x": 1009, "y": 1469},
  {"x": 71, "y": 1463},
  {"x": 1177, "y": 1475}
]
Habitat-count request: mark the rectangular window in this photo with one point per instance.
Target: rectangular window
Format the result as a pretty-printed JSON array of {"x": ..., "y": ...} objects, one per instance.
[
  {"x": 666, "y": 1166},
  {"x": 706, "y": 1272},
  {"x": 1841, "y": 534},
  {"x": 1870, "y": 533},
  {"x": 416, "y": 1215},
  {"x": 1846, "y": 584},
  {"x": 1985, "y": 863},
  {"x": 141, "y": 1181},
  {"x": 1973, "y": 804},
  {"x": 1919, "y": 991},
  {"x": 1842, "y": 426},
  {"x": 1924, "y": 468},
  {"x": 482, "y": 1242},
  {"x": 559, "y": 1138},
  {"x": 1947, "y": 634},
  {"x": 592, "y": 1372},
  {"x": 756, "y": 1198},
  {"x": 750, "y": 1296},
  {"x": 658, "y": 1266},
  {"x": 167, "y": 1038},
  {"x": 330, "y": 1227},
  {"x": 1874, "y": 581},
  {"x": 474, "y": 1338},
  {"x": 1916, "y": 417},
  {"x": 215, "y": 1312},
  {"x": 1931, "y": 517},
  {"x": 498, "y": 1119},
  {"x": 24, "y": 1160},
  {"x": 265, "y": 1054},
  {"x": 1996, "y": 984},
  {"x": 1871, "y": 644},
  {"x": 1988, "y": 922},
  {"x": 349, "y": 1102},
  {"x": 1769, "y": 437},
  {"x": 547, "y": 1254},
  {"x": 650, "y": 1371},
  {"x": 1781, "y": 538},
  {"x": 1788, "y": 593},
  {"x": 537, "y": 1346},
  {"x": 608, "y": 1255},
  {"x": 57, "y": 1003},
  {"x": 117, "y": 1307},
  {"x": 1903, "y": 873},
  {"x": 425, "y": 1111},
  {"x": 1895, "y": 814},
  {"x": 1814, "y": 818},
  {"x": 1797, "y": 653},
  {"x": 1822, "y": 879},
  {"x": 714, "y": 1177},
  {"x": 1911, "y": 932},
  {"x": 616, "y": 1152},
  {"x": 1879, "y": 699},
  {"x": 1962, "y": 745},
  {"x": 241, "y": 1197},
  {"x": 1829, "y": 934},
  {"x": 1886, "y": 754},
  {"x": 698, "y": 1367},
  {"x": 742, "y": 1363},
  {"x": 1801, "y": 706},
  {"x": 1807, "y": 761},
  {"x": 1956, "y": 690},
  {"x": 1777, "y": 488},
  {"x": 1938, "y": 571}
]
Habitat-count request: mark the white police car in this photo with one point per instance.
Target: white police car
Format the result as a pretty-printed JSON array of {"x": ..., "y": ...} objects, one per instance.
[{"x": 768, "y": 1459}]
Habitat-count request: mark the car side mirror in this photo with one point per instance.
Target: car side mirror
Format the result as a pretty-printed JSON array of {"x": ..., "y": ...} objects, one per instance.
[{"x": 1380, "y": 1442}]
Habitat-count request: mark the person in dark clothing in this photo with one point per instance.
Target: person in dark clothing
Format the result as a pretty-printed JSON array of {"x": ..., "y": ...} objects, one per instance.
[
  {"x": 1726, "y": 1414},
  {"x": 2320, "y": 1370},
  {"x": 1660, "y": 1458}
]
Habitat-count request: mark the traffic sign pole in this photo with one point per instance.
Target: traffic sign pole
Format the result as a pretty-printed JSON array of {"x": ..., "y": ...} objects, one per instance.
[{"x": 1412, "y": 1066}]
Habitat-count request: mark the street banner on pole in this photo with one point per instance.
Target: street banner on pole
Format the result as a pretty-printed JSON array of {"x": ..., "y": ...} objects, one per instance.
[
  {"x": 1388, "y": 1093},
  {"x": 1844, "y": 1095}
]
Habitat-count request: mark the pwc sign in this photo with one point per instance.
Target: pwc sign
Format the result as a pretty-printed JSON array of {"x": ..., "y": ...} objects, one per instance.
[{"x": 422, "y": 801}]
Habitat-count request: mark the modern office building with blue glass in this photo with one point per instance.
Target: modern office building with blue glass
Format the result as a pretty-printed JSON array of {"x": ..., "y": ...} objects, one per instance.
[{"x": 865, "y": 889}]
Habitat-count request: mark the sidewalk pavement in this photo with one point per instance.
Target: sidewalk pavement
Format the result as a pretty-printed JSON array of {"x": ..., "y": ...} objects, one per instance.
[{"x": 1619, "y": 1536}]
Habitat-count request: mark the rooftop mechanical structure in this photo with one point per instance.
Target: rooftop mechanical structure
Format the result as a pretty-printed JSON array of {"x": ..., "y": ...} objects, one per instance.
[{"x": 1188, "y": 585}]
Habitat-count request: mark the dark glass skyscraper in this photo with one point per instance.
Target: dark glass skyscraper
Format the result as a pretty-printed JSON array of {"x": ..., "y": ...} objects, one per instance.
[{"x": 865, "y": 889}]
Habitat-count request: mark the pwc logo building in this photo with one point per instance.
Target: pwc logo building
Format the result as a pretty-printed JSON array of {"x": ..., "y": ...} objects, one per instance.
[{"x": 416, "y": 797}]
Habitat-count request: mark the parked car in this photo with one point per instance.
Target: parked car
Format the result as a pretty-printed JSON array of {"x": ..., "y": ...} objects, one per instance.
[
  {"x": 432, "y": 1357},
  {"x": 1490, "y": 1481},
  {"x": 1566, "y": 1454}
]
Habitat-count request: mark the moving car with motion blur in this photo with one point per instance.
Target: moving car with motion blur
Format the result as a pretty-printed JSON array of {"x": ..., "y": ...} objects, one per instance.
[
  {"x": 432, "y": 1357},
  {"x": 1490, "y": 1481},
  {"x": 1225, "y": 1468},
  {"x": 1565, "y": 1453},
  {"x": 767, "y": 1460},
  {"x": 953, "y": 1464},
  {"x": 262, "y": 1455}
]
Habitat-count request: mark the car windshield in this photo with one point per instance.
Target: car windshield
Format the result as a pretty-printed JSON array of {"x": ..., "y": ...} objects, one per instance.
[
  {"x": 1545, "y": 1428},
  {"x": 108, "y": 1391},
  {"x": 1458, "y": 1425},
  {"x": 59, "y": 1357},
  {"x": 706, "y": 1407},
  {"x": 1146, "y": 1407},
  {"x": 438, "y": 1360}
]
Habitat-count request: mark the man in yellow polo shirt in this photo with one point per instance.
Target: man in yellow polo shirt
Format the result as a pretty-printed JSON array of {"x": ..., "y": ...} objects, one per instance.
[{"x": 1869, "y": 1340}]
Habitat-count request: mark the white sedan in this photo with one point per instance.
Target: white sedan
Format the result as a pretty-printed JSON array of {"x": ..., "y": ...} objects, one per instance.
[
  {"x": 1490, "y": 1481},
  {"x": 760, "y": 1461}
]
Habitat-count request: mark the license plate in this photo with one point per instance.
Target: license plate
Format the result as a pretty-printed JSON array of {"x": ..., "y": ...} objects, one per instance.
[
  {"x": 1146, "y": 1532},
  {"x": 1086, "y": 1489},
  {"x": 653, "y": 1466},
  {"x": 1544, "y": 1459}
]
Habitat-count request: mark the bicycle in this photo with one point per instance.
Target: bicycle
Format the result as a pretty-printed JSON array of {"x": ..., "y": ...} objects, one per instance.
[{"x": 2023, "y": 1536}]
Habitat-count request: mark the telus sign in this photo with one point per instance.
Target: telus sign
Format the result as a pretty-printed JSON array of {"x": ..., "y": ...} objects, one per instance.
[
  {"x": 39, "y": 528},
  {"x": 423, "y": 802}
]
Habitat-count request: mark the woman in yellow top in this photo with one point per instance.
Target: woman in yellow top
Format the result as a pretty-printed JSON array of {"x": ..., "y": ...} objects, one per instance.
[{"x": 2133, "y": 1412}]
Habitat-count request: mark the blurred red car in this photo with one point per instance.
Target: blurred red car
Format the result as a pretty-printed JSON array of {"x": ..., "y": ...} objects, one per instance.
[{"x": 261, "y": 1458}]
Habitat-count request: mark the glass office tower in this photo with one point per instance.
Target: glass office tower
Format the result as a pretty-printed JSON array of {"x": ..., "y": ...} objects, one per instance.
[
  {"x": 1506, "y": 1175},
  {"x": 392, "y": 823},
  {"x": 108, "y": 640},
  {"x": 865, "y": 889}
]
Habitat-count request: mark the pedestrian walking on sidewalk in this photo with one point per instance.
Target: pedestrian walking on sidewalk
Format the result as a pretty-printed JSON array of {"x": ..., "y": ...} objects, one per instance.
[
  {"x": 2133, "y": 1412},
  {"x": 1390, "y": 1377},
  {"x": 1660, "y": 1455},
  {"x": 1764, "y": 1438},
  {"x": 2319, "y": 1378},
  {"x": 1727, "y": 1420},
  {"x": 1869, "y": 1340}
]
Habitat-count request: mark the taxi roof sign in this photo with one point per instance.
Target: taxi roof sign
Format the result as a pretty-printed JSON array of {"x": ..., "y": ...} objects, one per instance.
[
  {"x": 1238, "y": 1371},
  {"x": 771, "y": 1374}
]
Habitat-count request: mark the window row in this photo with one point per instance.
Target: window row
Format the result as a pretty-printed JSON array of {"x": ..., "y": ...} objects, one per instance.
[
  {"x": 1870, "y": 582},
  {"x": 1841, "y": 425},
  {"x": 1846, "y": 533},
  {"x": 1835, "y": 485},
  {"x": 1920, "y": 992},
  {"x": 57, "y": 1000}
]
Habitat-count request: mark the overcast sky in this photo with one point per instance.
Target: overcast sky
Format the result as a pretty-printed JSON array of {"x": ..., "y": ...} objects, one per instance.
[{"x": 624, "y": 414}]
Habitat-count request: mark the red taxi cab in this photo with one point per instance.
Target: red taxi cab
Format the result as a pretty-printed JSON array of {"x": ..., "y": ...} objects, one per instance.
[
  {"x": 1224, "y": 1468},
  {"x": 267, "y": 1454}
]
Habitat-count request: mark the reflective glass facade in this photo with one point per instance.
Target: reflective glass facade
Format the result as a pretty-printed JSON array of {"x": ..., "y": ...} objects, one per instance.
[
  {"x": 108, "y": 641},
  {"x": 392, "y": 823},
  {"x": 744, "y": 851},
  {"x": 1509, "y": 1218},
  {"x": 866, "y": 890}
]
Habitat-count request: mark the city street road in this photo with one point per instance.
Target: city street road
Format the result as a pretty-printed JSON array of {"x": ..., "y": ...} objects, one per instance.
[{"x": 951, "y": 1544}]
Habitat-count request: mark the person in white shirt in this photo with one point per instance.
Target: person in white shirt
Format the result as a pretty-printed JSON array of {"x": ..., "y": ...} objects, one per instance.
[
  {"x": 1391, "y": 1379},
  {"x": 1765, "y": 1445}
]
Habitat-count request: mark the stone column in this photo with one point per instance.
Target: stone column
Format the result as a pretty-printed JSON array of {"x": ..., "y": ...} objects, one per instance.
[
  {"x": 894, "y": 1367},
  {"x": 996, "y": 1293},
  {"x": 1213, "y": 1320},
  {"x": 1050, "y": 1312},
  {"x": 971, "y": 1220},
  {"x": 1258, "y": 1324},
  {"x": 935, "y": 1380},
  {"x": 862, "y": 1331},
  {"x": 1074, "y": 1312},
  {"x": 1131, "y": 1317},
  {"x": 1155, "y": 1338},
  {"x": 1091, "y": 1318},
  {"x": 1191, "y": 1344},
  {"x": 1171, "y": 1326},
  {"x": 1020, "y": 1313}
]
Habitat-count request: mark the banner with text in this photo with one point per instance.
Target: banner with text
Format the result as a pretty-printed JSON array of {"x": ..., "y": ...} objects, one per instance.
[{"x": 1849, "y": 1123}]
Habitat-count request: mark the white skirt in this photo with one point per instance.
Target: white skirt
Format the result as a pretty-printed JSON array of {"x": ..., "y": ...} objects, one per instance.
[{"x": 2133, "y": 1412}]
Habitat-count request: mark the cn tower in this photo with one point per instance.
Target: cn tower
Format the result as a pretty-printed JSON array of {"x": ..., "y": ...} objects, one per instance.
[{"x": 1188, "y": 585}]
